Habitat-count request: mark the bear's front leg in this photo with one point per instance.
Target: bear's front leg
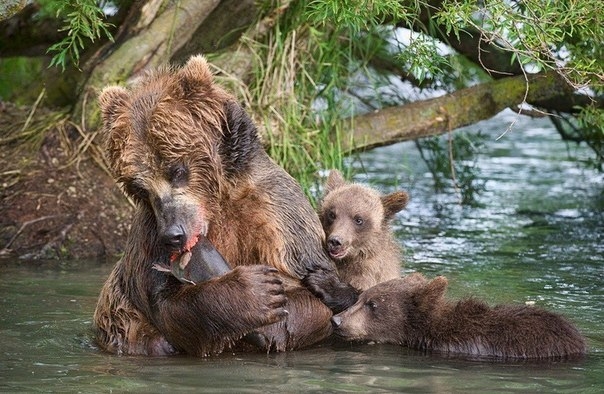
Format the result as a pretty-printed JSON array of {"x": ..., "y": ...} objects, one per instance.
[
  {"x": 308, "y": 323},
  {"x": 334, "y": 293},
  {"x": 121, "y": 328},
  {"x": 204, "y": 318}
]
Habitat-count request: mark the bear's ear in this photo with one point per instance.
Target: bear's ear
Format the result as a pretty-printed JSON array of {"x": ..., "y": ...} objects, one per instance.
[
  {"x": 430, "y": 294},
  {"x": 195, "y": 76},
  {"x": 393, "y": 203},
  {"x": 334, "y": 180},
  {"x": 239, "y": 139},
  {"x": 112, "y": 101},
  {"x": 414, "y": 279}
]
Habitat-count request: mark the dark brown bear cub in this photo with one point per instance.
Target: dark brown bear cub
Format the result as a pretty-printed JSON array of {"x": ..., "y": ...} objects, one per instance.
[
  {"x": 413, "y": 312},
  {"x": 356, "y": 220},
  {"x": 190, "y": 157}
]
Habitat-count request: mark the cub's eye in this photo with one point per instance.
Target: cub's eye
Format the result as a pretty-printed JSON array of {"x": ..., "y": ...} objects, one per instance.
[
  {"x": 358, "y": 220},
  {"x": 178, "y": 175},
  {"x": 331, "y": 216},
  {"x": 372, "y": 305}
]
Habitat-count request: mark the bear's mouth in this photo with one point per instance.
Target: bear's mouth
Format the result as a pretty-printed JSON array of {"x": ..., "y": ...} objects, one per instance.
[
  {"x": 186, "y": 249},
  {"x": 342, "y": 333},
  {"x": 199, "y": 233},
  {"x": 199, "y": 263},
  {"x": 337, "y": 253}
]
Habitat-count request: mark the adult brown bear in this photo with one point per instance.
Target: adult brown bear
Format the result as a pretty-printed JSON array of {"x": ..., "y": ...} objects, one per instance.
[{"x": 189, "y": 156}]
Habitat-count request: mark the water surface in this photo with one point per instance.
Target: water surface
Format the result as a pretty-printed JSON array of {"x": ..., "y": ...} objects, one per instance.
[{"x": 536, "y": 235}]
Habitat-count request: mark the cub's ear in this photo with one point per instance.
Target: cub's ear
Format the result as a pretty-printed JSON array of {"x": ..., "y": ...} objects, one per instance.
[
  {"x": 438, "y": 286},
  {"x": 393, "y": 203},
  {"x": 113, "y": 101},
  {"x": 432, "y": 293},
  {"x": 195, "y": 76},
  {"x": 334, "y": 180},
  {"x": 414, "y": 279}
]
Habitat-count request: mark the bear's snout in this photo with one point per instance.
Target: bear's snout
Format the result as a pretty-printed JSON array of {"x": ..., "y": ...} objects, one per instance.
[
  {"x": 334, "y": 242},
  {"x": 174, "y": 237},
  {"x": 336, "y": 321},
  {"x": 336, "y": 247}
]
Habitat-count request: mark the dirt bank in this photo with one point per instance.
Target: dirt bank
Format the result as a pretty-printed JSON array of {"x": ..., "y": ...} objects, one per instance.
[{"x": 55, "y": 201}]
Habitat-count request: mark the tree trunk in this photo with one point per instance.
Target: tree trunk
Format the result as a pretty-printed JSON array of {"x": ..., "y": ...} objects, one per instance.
[
  {"x": 161, "y": 36},
  {"x": 461, "y": 108}
]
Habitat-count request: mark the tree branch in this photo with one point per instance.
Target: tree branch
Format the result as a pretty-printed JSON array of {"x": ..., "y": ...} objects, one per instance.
[{"x": 460, "y": 108}]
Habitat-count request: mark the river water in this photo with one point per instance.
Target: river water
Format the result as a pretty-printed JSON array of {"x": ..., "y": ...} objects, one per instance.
[{"x": 536, "y": 234}]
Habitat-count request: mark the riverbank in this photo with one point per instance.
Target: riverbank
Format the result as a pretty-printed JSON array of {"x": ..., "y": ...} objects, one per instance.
[{"x": 56, "y": 201}]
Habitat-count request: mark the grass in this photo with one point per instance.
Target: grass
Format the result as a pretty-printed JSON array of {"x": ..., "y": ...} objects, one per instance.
[{"x": 283, "y": 97}]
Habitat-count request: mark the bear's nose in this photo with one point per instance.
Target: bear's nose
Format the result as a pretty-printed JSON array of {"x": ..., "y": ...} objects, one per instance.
[
  {"x": 174, "y": 236},
  {"x": 336, "y": 321},
  {"x": 334, "y": 242}
]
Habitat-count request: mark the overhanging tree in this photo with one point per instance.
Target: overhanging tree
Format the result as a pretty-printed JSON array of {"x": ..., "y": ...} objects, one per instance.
[{"x": 309, "y": 70}]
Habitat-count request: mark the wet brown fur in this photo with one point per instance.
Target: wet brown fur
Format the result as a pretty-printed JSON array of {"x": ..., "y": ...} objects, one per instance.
[
  {"x": 413, "y": 312},
  {"x": 189, "y": 156},
  {"x": 356, "y": 220}
]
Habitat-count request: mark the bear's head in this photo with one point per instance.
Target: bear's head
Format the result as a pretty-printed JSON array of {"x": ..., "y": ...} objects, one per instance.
[
  {"x": 356, "y": 218},
  {"x": 174, "y": 141},
  {"x": 398, "y": 311}
]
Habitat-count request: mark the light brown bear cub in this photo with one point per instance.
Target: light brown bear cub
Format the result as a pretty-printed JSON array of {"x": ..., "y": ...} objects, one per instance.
[
  {"x": 413, "y": 312},
  {"x": 356, "y": 220}
]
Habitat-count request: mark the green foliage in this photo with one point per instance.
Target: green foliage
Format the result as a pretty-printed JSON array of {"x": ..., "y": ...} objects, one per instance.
[
  {"x": 84, "y": 21},
  {"x": 317, "y": 64},
  {"x": 421, "y": 57},
  {"x": 297, "y": 98},
  {"x": 356, "y": 15},
  {"x": 325, "y": 62},
  {"x": 347, "y": 51},
  {"x": 563, "y": 35}
]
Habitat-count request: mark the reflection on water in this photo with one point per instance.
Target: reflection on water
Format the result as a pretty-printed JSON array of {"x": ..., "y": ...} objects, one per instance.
[{"x": 537, "y": 235}]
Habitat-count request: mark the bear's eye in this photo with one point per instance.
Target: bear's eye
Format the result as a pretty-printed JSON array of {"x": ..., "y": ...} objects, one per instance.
[
  {"x": 358, "y": 220},
  {"x": 372, "y": 305},
  {"x": 178, "y": 176},
  {"x": 136, "y": 191},
  {"x": 331, "y": 215}
]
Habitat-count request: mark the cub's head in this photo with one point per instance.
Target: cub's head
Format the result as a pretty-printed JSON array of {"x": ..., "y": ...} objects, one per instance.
[
  {"x": 397, "y": 311},
  {"x": 174, "y": 141},
  {"x": 356, "y": 218}
]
